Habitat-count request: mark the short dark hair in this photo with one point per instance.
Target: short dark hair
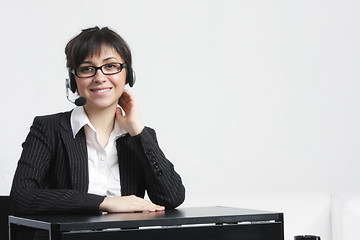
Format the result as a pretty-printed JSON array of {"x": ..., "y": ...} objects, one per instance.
[{"x": 89, "y": 41}]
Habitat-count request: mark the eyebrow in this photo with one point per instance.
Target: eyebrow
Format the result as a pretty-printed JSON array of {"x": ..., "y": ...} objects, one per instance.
[
  {"x": 104, "y": 60},
  {"x": 109, "y": 58}
]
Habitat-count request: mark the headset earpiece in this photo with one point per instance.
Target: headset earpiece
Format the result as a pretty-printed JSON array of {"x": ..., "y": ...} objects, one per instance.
[
  {"x": 73, "y": 86},
  {"x": 130, "y": 78}
]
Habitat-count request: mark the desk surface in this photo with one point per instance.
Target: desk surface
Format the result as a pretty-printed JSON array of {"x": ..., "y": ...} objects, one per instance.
[{"x": 181, "y": 216}]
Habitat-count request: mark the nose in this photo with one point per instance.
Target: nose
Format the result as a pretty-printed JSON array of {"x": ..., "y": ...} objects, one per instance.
[{"x": 99, "y": 76}]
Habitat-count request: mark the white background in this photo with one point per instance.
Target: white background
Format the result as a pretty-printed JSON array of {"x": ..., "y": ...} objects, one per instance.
[{"x": 244, "y": 95}]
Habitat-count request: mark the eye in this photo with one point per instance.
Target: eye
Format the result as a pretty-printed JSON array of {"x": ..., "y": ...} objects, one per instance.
[
  {"x": 85, "y": 69},
  {"x": 112, "y": 67}
]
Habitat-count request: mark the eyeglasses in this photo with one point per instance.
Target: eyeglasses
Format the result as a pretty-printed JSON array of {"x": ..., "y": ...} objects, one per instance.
[{"x": 106, "y": 69}]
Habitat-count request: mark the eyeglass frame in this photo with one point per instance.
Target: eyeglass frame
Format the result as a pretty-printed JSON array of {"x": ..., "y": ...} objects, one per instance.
[{"x": 122, "y": 65}]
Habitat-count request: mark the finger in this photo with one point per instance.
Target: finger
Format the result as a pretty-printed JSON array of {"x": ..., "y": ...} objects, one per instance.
[
  {"x": 144, "y": 207},
  {"x": 160, "y": 208},
  {"x": 126, "y": 96},
  {"x": 155, "y": 207},
  {"x": 147, "y": 205},
  {"x": 123, "y": 102},
  {"x": 119, "y": 114}
]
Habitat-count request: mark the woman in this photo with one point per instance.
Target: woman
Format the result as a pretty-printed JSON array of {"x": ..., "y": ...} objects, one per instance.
[{"x": 97, "y": 157}]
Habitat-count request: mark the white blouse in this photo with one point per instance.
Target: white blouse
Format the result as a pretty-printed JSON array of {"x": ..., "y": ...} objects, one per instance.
[{"x": 104, "y": 176}]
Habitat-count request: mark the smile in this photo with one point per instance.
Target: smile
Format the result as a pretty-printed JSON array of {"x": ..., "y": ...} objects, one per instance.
[{"x": 102, "y": 90}]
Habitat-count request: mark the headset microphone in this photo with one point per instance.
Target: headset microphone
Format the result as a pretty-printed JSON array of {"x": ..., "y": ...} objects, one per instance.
[{"x": 80, "y": 101}]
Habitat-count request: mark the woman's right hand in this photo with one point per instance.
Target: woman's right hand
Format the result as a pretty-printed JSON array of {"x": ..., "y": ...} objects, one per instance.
[{"x": 128, "y": 204}]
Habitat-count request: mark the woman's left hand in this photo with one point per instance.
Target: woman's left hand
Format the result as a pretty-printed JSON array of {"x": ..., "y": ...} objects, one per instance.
[{"x": 130, "y": 121}]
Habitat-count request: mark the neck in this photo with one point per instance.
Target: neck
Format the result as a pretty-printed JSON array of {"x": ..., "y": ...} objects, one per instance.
[{"x": 102, "y": 120}]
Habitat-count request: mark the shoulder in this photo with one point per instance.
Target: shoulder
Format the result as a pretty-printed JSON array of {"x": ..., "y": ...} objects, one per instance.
[
  {"x": 53, "y": 121},
  {"x": 53, "y": 117},
  {"x": 46, "y": 129}
]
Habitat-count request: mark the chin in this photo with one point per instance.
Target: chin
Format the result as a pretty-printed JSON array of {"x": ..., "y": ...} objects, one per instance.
[{"x": 102, "y": 105}]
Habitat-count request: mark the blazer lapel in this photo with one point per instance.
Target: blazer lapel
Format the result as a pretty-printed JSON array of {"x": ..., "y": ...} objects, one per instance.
[{"x": 76, "y": 151}]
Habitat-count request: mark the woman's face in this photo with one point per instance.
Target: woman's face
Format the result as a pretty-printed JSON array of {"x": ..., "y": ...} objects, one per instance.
[{"x": 102, "y": 91}]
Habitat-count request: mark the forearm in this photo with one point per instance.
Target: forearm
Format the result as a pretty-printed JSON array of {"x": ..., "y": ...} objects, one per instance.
[
  {"x": 53, "y": 201},
  {"x": 163, "y": 183}
]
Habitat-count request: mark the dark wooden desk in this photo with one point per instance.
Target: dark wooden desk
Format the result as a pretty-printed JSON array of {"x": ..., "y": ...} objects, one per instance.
[{"x": 215, "y": 223}]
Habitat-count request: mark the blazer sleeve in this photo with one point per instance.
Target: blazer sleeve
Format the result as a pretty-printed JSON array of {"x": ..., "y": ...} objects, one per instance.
[
  {"x": 33, "y": 189},
  {"x": 162, "y": 183}
]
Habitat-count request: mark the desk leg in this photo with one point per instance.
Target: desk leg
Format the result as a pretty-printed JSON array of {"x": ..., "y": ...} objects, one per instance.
[
  {"x": 54, "y": 234},
  {"x": 12, "y": 231},
  {"x": 19, "y": 232}
]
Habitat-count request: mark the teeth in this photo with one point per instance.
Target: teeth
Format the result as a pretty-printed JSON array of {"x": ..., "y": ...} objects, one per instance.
[{"x": 101, "y": 90}]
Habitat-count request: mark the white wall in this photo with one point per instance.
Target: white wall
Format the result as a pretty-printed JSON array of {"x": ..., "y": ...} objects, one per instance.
[{"x": 245, "y": 95}]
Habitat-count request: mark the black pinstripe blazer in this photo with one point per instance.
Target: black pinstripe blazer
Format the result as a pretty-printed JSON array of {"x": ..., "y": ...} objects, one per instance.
[{"x": 52, "y": 173}]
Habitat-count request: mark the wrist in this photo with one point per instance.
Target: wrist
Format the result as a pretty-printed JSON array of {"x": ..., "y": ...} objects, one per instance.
[
  {"x": 136, "y": 130},
  {"x": 103, "y": 206}
]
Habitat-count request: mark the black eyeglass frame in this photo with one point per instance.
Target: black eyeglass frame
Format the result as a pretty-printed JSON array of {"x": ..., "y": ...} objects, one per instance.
[{"x": 122, "y": 66}]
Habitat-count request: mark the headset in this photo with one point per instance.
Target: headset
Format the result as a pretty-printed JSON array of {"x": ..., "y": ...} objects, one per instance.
[
  {"x": 80, "y": 101},
  {"x": 130, "y": 79}
]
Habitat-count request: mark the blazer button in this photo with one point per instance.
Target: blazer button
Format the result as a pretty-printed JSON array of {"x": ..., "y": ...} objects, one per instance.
[
  {"x": 159, "y": 173},
  {"x": 156, "y": 166}
]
